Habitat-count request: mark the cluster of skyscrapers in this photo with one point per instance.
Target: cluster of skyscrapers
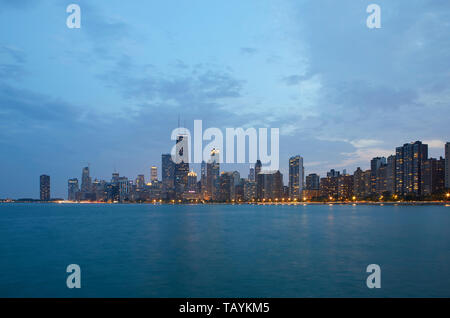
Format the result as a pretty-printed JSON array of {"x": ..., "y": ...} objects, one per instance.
[{"x": 408, "y": 173}]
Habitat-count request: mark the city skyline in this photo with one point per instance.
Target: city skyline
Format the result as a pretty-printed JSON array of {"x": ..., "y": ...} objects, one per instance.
[
  {"x": 408, "y": 171},
  {"x": 110, "y": 93}
]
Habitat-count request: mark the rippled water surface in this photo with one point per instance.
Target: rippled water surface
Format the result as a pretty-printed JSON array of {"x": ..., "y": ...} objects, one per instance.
[{"x": 223, "y": 250}]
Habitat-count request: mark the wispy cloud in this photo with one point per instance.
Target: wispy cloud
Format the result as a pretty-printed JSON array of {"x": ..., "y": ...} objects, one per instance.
[{"x": 249, "y": 50}]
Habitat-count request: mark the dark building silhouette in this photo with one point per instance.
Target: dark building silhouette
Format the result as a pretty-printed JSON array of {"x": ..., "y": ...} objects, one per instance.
[
  {"x": 447, "y": 165},
  {"x": 73, "y": 190},
  {"x": 375, "y": 164},
  {"x": 269, "y": 185},
  {"x": 433, "y": 176},
  {"x": 251, "y": 174},
  {"x": 181, "y": 165},
  {"x": 168, "y": 176},
  {"x": 258, "y": 167},
  {"x": 345, "y": 187},
  {"x": 226, "y": 187},
  {"x": 312, "y": 182},
  {"x": 44, "y": 182},
  {"x": 329, "y": 187}
]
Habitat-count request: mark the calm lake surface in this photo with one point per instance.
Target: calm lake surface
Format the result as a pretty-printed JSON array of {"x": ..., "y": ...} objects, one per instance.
[{"x": 224, "y": 250}]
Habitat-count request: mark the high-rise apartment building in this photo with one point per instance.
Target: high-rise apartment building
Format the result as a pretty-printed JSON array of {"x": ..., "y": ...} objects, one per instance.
[
  {"x": 375, "y": 164},
  {"x": 408, "y": 167},
  {"x": 433, "y": 176},
  {"x": 447, "y": 165},
  {"x": 358, "y": 183},
  {"x": 345, "y": 187},
  {"x": 249, "y": 190},
  {"x": 313, "y": 181}
]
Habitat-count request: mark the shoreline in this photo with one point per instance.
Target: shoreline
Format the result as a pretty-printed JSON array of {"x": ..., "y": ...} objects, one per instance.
[{"x": 330, "y": 203}]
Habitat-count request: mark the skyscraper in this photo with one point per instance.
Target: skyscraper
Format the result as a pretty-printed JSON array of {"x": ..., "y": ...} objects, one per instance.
[
  {"x": 181, "y": 165},
  {"x": 390, "y": 174},
  {"x": 381, "y": 180},
  {"x": 408, "y": 167},
  {"x": 269, "y": 185},
  {"x": 153, "y": 174},
  {"x": 168, "y": 175},
  {"x": 85, "y": 180},
  {"x": 212, "y": 178},
  {"x": 44, "y": 182},
  {"x": 345, "y": 187},
  {"x": 258, "y": 167},
  {"x": 447, "y": 165},
  {"x": 312, "y": 182},
  {"x": 433, "y": 176},
  {"x": 226, "y": 187},
  {"x": 203, "y": 179},
  {"x": 358, "y": 183},
  {"x": 329, "y": 187},
  {"x": 140, "y": 181},
  {"x": 249, "y": 190},
  {"x": 375, "y": 164},
  {"x": 73, "y": 189},
  {"x": 251, "y": 174},
  {"x": 295, "y": 177},
  {"x": 192, "y": 181},
  {"x": 86, "y": 185}
]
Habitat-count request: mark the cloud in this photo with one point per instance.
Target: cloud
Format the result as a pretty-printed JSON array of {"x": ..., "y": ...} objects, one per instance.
[
  {"x": 364, "y": 143},
  {"x": 362, "y": 156},
  {"x": 293, "y": 79},
  {"x": 17, "y": 54},
  {"x": 249, "y": 50},
  {"x": 200, "y": 87},
  {"x": 435, "y": 143},
  {"x": 12, "y": 66},
  {"x": 102, "y": 37}
]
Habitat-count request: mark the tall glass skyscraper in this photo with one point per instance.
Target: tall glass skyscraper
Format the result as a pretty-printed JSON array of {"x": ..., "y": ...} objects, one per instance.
[{"x": 296, "y": 178}]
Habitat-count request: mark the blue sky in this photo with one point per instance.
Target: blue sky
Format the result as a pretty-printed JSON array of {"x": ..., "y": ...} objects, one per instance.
[{"x": 110, "y": 93}]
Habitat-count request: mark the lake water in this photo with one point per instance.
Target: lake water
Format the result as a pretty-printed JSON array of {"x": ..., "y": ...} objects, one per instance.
[{"x": 224, "y": 250}]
